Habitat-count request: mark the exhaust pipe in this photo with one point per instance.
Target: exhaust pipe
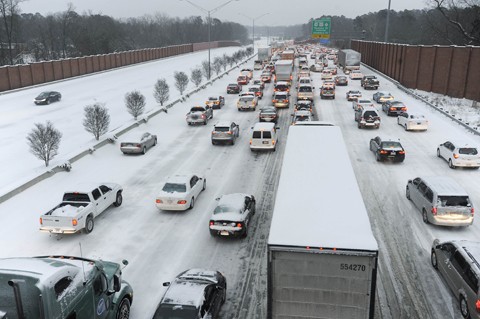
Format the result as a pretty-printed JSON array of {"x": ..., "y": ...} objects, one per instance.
[{"x": 18, "y": 298}]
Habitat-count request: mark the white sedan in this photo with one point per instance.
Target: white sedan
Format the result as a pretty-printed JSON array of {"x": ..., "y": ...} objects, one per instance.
[
  {"x": 179, "y": 192},
  {"x": 232, "y": 215},
  {"x": 412, "y": 122},
  {"x": 459, "y": 154}
]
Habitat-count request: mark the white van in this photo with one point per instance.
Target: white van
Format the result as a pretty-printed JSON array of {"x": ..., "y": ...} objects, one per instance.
[{"x": 264, "y": 137}]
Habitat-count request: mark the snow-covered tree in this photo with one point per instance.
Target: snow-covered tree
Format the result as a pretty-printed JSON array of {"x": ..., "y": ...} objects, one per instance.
[
  {"x": 161, "y": 91},
  {"x": 206, "y": 69},
  {"x": 181, "y": 81},
  {"x": 135, "y": 103},
  {"x": 97, "y": 119},
  {"x": 224, "y": 61},
  {"x": 44, "y": 141},
  {"x": 196, "y": 76},
  {"x": 217, "y": 65}
]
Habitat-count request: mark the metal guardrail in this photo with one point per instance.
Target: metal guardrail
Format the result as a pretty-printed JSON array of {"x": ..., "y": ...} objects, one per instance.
[
  {"x": 111, "y": 137},
  {"x": 466, "y": 125}
]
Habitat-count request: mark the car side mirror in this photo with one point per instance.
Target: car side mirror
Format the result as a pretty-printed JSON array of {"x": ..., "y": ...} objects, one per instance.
[
  {"x": 278, "y": 127},
  {"x": 166, "y": 284}
]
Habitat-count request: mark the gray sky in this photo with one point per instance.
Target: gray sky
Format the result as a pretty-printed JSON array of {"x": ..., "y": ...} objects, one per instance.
[{"x": 280, "y": 12}]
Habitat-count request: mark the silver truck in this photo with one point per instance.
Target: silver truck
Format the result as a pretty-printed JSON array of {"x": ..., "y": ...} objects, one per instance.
[
  {"x": 199, "y": 115},
  {"x": 79, "y": 208},
  {"x": 349, "y": 60},
  {"x": 321, "y": 262},
  {"x": 63, "y": 287}
]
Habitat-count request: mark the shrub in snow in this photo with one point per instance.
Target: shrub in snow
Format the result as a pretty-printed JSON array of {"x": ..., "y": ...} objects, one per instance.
[
  {"x": 206, "y": 69},
  {"x": 135, "y": 103},
  {"x": 196, "y": 76},
  {"x": 44, "y": 141},
  {"x": 224, "y": 61},
  {"x": 217, "y": 65},
  {"x": 161, "y": 91},
  {"x": 181, "y": 81},
  {"x": 97, "y": 119},
  {"x": 66, "y": 166}
]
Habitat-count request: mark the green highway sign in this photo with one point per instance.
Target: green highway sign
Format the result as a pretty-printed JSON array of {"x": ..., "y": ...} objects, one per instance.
[{"x": 321, "y": 28}]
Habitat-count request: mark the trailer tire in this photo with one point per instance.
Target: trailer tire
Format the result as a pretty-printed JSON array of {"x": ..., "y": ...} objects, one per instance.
[{"x": 124, "y": 309}]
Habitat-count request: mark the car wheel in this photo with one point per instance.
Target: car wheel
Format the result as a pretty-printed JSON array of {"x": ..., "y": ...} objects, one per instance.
[
  {"x": 407, "y": 193},
  {"x": 450, "y": 164},
  {"x": 192, "y": 203},
  {"x": 214, "y": 143},
  {"x": 118, "y": 200},
  {"x": 48, "y": 101},
  {"x": 245, "y": 232},
  {"x": 438, "y": 153},
  {"x": 89, "y": 224},
  {"x": 224, "y": 297},
  {"x": 204, "y": 185},
  {"x": 433, "y": 259},
  {"x": 144, "y": 150},
  {"x": 359, "y": 126},
  {"x": 205, "y": 123},
  {"x": 124, "y": 309},
  {"x": 233, "y": 141},
  {"x": 424, "y": 216},
  {"x": 464, "y": 307},
  {"x": 154, "y": 142},
  {"x": 406, "y": 127}
]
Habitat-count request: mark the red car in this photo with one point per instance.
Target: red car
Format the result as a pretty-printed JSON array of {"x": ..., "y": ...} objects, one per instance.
[{"x": 242, "y": 80}]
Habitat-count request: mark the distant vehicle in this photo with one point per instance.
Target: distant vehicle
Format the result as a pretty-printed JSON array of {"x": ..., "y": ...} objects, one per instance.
[
  {"x": 369, "y": 82},
  {"x": 283, "y": 70},
  {"x": 259, "y": 83},
  {"x": 332, "y": 69},
  {"x": 353, "y": 95},
  {"x": 232, "y": 215},
  {"x": 394, "y": 107},
  {"x": 247, "y": 72},
  {"x": 194, "y": 294},
  {"x": 215, "y": 102},
  {"x": 341, "y": 80},
  {"x": 328, "y": 84},
  {"x": 281, "y": 99},
  {"x": 138, "y": 145},
  {"x": 281, "y": 86},
  {"x": 326, "y": 75},
  {"x": 305, "y": 92},
  {"x": 179, "y": 192},
  {"x": 47, "y": 97},
  {"x": 362, "y": 103},
  {"x": 258, "y": 65},
  {"x": 63, "y": 287},
  {"x": 349, "y": 60},
  {"x": 199, "y": 115},
  {"x": 412, "y": 121},
  {"x": 327, "y": 93},
  {"x": 257, "y": 90},
  {"x": 317, "y": 67},
  {"x": 247, "y": 102},
  {"x": 225, "y": 132},
  {"x": 266, "y": 77},
  {"x": 234, "y": 88},
  {"x": 301, "y": 116},
  {"x": 268, "y": 114},
  {"x": 355, "y": 75},
  {"x": 303, "y": 105},
  {"x": 457, "y": 262},
  {"x": 459, "y": 154},
  {"x": 441, "y": 200},
  {"x": 79, "y": 207},
  {"x": 387, "y": 150},
  {"x": 304, "y": 80},
  {"x": 367, "y": 117},
  {"x": 264, "y": 53},
  {"x": 382, "y": 97},
  {"x": 243, "y": 80}
]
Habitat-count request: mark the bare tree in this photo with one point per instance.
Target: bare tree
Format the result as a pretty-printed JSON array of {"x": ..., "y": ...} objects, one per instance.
[
  {"x": 196, "y": 76},
  {"x": 217, "y": 65},
  {"x": 181, "y": 81},
  {"x": 9, "y": 10},
  {"x": 224, "y": 62},
  {"x": 66, "y": 18},
  {"x": 44, "y": 141},
  {"x": 205, "y": 69},
  {"x": 97, "y": 119},
  {"x": 135, "y": 103},
  {"x": 161, "y": 91}
]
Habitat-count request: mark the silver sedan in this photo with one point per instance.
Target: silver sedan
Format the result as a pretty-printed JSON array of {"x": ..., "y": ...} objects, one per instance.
[{"x": 139, "y": 145}]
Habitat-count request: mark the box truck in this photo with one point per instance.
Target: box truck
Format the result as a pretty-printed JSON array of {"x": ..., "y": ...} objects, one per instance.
[
  {"x": 349, "y": 60},
  {"x": 283, "y": 71}
]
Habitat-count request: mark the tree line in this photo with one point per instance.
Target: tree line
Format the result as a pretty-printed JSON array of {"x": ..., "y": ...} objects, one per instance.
[{"x": 27, "y": 37}]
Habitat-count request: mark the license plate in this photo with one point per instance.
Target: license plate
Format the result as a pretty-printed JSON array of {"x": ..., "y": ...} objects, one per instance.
[
  {"x": 393, "y": 153},
  {"x": 265, "y": 142},
  {"x": 169, "y": 201},
  {"x": 224, "y": 233},
  {"x": 418, "y": 123}
]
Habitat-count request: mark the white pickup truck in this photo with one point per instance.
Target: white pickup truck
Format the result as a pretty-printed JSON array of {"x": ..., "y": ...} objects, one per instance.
[{"x": 78, "y": 208}]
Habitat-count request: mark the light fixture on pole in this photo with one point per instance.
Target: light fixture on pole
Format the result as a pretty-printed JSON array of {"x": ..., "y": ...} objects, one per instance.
[
  {"x": 253, "y": 26},
  {"x": 209, "y": 12},
  {"x": 387, "y": 22}
]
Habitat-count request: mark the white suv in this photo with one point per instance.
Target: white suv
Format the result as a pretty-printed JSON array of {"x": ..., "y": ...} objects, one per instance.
[{"x": 459, "y": 154}]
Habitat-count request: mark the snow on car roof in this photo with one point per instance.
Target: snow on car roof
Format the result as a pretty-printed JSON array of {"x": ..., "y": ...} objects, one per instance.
[
  {"x": 283, "y": 62},
  {"x": 319, "y": 205},
  {"x": 236, "y": 200},
  {"x": 444, "y": 185},
  {"x": 188, "y": 288},
  {"x": 223, "y": 123},
  {"x": 263, "y": 126},
  {"x": 87, "y": 187},
  {"x": 179, "y": 178}
]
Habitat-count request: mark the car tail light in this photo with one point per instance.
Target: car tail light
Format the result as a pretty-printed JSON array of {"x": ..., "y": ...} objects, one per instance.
[
  {"x": 250, "y": 142},
  {"x": 401, "y": 152},
  {"x": 239, "y": 225},
  {"x": 273, "y": 142},
  {"x": 392, "y": 109},
  {"x": 383, "y": 152},
  {"x": 434, "y": 211},
  {"x": 182, "y": 202},
  {"x": 472, "y": 211},
  {"x": 159, "y": 201},
  {"x": 203, "y": 116},
  {"x": 229, "y": 132},
  {"x": 477, "y": 305},
  {"x": 455, "y": 155},
  {"x": 404, "y": 109},
  {"x": 74, "y": 222},
  {"x": 212, "y": 223},
  {"x": 41, "y": 221},
  {"x": 139, "y": 145},
  {"x": 274, "y": 101}
]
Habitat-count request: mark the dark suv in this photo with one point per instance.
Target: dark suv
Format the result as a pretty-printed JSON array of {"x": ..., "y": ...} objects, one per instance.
[
  {"x": 234, "y": 88},
  {"x": 194, "y": 294}
]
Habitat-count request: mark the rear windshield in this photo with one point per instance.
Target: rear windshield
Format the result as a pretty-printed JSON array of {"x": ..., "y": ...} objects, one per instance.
[
  {"x": 280, "y": 96},
  {"x": 468, "y": 151},
  {"x": 305, "y": 89},
  {"x": 281, "y": 87},
  {"x": 76, "y": 197},
  {"x": 368, "y": 114},
  {"x": 453, "y": 201},
  {"x": 197, "y": 109},
  {"x": 267, "y": 134},
  {"x": 246, "y": 99},
  {"x": 173, "y": 187},
  {"x": 222, "y": 128},
  {"x": 257, "y": 134},
  {"x": 391, "y": 145}
]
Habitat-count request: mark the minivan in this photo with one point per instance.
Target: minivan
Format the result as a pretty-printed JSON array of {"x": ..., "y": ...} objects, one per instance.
[
  {"x": 264, "y": 137},
  {"x": 441, "y": 200},
  {"x": 458, "y": 263}
]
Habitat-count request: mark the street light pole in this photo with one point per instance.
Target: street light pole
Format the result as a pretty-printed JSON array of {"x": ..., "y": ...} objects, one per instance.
[
  {"x": 388, "y": 21},
  {"x": 253, "y": 26},
  {"x": 209, "y": 12}
]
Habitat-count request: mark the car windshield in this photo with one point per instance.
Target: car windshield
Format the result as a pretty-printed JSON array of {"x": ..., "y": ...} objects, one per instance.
[
  {"x": 390, "y": 144},
  {"x": 453, "y": 201},
  {"x": 176, "y": 312},
  {"x": 224, "y": 209},
  {"x": 174, "y": 187},
  {"x": 43, "y": 95},
  {"x": 468, "y": 151}
]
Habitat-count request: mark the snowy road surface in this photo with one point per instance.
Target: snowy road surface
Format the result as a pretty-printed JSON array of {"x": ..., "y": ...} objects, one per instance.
[{"x": 159, "y": 244}]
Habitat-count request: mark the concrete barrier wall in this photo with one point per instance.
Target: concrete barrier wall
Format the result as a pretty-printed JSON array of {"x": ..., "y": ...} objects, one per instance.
[
  {"x": 18, "y": 76},
  {"x": 449, "y": 70}
]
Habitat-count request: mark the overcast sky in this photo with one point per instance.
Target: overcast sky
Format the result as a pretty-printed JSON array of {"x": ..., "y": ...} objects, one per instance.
[{"x": 280, "y": 12}]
